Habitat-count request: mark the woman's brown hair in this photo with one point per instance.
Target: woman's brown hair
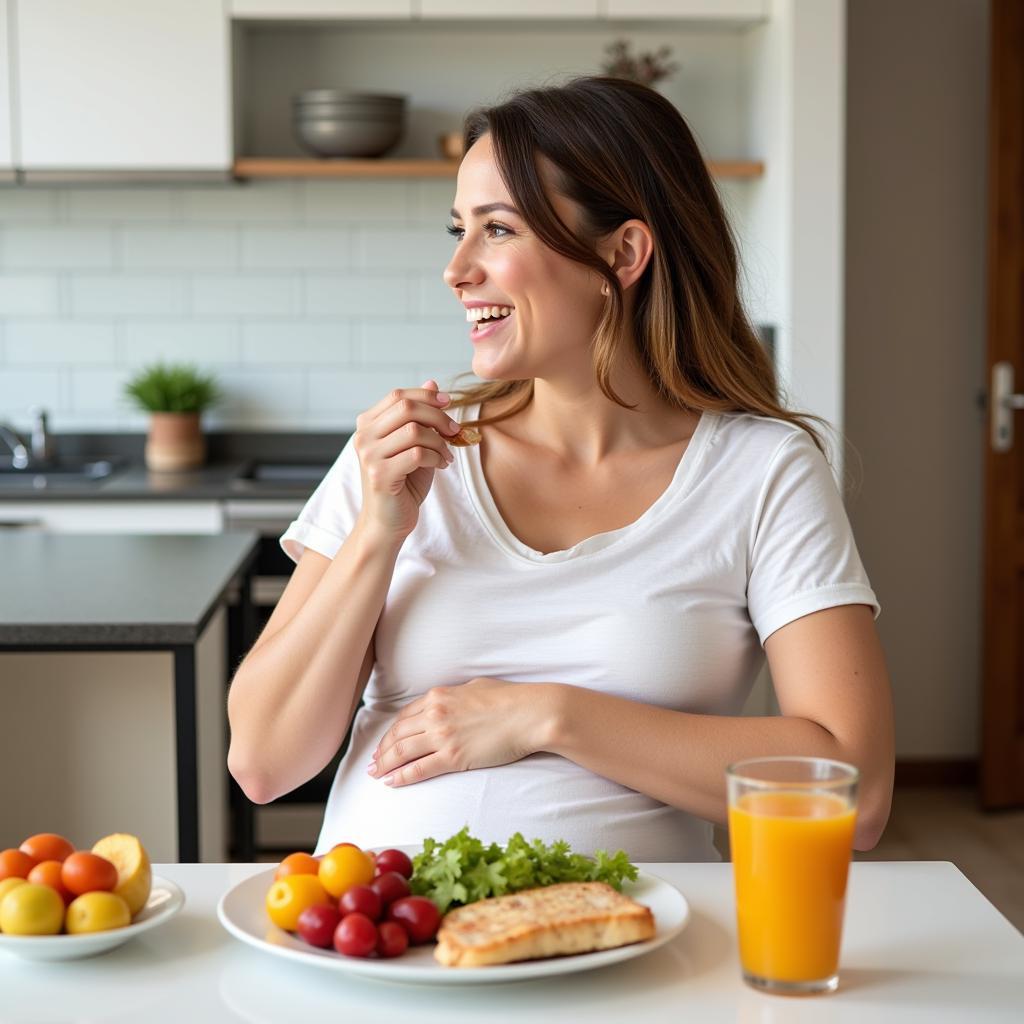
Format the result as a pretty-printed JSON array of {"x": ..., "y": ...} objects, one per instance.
[{"x": 621, "y": 151}]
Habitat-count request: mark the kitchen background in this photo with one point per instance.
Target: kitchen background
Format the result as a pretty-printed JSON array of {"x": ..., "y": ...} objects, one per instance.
[{"x": 863, "y": 242}]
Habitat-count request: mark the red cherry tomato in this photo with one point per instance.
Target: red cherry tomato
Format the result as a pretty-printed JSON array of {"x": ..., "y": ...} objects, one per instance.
[
  {"x": 15, "y": 864},
  {"x": 389, "y": 887},
  {"x": 361, "y": 899},
  {"x": 356, "y": 935},
  {"x": 316, "y": 924},
  {"x": 86, "y": 872},
  {"x": 47, "y": 846},
  {"x": 392, "y": 939},
  {"x": 48, "y": 872},
  {"x": 394, "y": 860},
  {"x": 417, "y": 915}
]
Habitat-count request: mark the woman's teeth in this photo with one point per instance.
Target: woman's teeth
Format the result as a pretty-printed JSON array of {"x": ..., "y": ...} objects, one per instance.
[{"x": 487, "y": 312}]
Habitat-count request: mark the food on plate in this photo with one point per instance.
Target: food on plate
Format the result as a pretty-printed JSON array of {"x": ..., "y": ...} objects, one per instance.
[
  {"x": 134, "y": 873},
  {"x": 317, "y": 924},
  {"x": 463, "y": 869},
  {"x": 84, "y": 872},
  {"x": 96, "y": 911},
  {"x": 97, "y": 890},
  {"x": 393, "y": 860},
  {"x": 390, "y": 886},
  {"x": 465, "y": 438},
  {"x": 361, "y": 899},
  {"x": 570, "y": 917},
  {"x": 356, "y": 935},
  {"x": 47, "y": 846},
  {"x": 418, "y": 916},
  {"x": 343, "y": 867},
  {"x": 31, "y": 909},
  {"x": 392, "y": 939},
  {"x": 288, "y": 897},
  {"x": 297, "y": 864}
]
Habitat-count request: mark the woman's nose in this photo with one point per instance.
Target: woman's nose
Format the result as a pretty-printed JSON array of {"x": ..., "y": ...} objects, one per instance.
[{"x": 462, "y": 271}]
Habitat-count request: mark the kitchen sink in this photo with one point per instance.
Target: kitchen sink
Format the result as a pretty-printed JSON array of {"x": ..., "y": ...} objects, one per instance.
[
  {"x": 61, "y": 472},
  {"x": 280, "y": 474}
]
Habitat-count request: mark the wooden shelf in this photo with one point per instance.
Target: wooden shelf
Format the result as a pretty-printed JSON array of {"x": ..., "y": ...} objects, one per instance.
[{"x": 251, "y": 167}]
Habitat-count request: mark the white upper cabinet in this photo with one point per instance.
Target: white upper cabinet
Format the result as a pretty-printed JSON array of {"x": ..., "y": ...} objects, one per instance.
[
  {"x": 704, "y": 10},
  {"x": 110, "y": 85},
  {"x": 472, "y": 9},
  {"x": 6, "y": 125},
  {"x": 298, "y": 9}
]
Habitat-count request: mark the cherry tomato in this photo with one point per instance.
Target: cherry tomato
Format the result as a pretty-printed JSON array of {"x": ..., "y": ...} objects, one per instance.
[
  {"x": 297, "y": 864},
  {"x": 97, "y": 912},
  {"x": 417, "y": 915},
  {"x": 343, "y": 867},
  {"x": 356, "y": 935},
  {"x": 48, "y": 872},
  {"x": 392, "y": 939},
  {"x": 31, "y": 909},
  {"x": 15, "y": 864},
  {"x": 394, "y": 860},
  {"x": 288, "y": 897},
  {"x": 389, "y": 887},
  {"x": 316, "y": 924},
  {"x": 361, "y": 899},
  {"x": 87, "y": 872},
  {"x": 47, "y": 846}
]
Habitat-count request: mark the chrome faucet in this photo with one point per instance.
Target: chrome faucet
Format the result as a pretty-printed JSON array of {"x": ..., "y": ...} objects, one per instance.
[
  {"x": 18, "y": 450},
  {"x": 41, "y": 443}
]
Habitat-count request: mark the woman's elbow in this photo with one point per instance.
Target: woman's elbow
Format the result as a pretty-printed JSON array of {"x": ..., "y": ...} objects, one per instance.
[
  {"x": 872, "y": 816},
  {"x": 254, "y": 783}
]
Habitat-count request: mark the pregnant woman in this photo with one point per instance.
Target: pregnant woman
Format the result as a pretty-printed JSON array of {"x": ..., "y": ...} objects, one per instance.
[{"x": 555, "y": 630}]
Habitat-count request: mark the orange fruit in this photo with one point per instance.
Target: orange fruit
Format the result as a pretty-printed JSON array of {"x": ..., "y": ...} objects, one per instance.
[
  {"x": 297, "y": 864},
  {"x": 290, "y": 896}
]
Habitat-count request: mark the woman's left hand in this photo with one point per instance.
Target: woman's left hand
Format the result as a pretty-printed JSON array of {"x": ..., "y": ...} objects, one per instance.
[{"x": 479, "y": 724}]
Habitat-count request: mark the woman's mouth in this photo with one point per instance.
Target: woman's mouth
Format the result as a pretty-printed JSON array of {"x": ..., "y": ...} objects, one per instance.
[{"x": 484, "y": 328}]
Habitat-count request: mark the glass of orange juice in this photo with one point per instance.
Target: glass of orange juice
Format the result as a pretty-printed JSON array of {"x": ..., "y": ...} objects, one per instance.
[{"x": 791, "y": 834}]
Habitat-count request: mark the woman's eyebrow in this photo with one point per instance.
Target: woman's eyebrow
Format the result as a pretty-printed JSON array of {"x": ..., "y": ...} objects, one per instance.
[{"x": 480, "y": 211}]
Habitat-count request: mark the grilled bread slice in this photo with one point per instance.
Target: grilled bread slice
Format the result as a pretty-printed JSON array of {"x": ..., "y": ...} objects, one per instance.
[{"x": 570, "y": 917}]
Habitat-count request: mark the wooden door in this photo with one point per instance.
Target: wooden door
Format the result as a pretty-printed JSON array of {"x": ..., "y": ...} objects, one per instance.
[{"x": 1002, "y": 749}]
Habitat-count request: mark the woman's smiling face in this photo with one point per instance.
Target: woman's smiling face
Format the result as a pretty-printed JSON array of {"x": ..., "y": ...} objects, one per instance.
[{"x": 499, "y": 261}]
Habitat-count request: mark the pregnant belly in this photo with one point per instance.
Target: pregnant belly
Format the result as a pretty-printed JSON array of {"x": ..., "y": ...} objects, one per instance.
[{"x": 543, "y": 796}]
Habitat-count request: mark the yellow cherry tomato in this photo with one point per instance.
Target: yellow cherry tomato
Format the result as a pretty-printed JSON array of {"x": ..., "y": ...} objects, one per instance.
[
  {"x": 31, "y": 909},
  {"x": 343, "y": 867},
  {"x": 289, "y": 896},
  {"x": 6, "y": 885},
  {"x": 97, "y": 911}
]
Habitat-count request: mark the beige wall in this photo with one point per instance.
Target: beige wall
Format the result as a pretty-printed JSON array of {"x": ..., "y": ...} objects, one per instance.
[{"x": 915, "y": 348}]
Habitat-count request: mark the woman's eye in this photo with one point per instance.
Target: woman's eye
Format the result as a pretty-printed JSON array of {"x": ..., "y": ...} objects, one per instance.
[{"x": 489, "y": 227}]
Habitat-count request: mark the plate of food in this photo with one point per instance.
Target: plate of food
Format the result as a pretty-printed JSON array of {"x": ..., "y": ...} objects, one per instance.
[{"x": 534, "y": 932}]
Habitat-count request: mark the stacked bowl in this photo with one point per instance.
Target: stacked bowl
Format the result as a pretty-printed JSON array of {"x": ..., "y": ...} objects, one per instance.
[{"x": 331, "y": 122}]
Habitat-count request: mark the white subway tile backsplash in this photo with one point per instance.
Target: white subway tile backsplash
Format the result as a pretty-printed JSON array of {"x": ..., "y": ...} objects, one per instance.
[
  {"x": 45, "y": 247},
  {"x": 29, "y": 295},
  {"x": 365, "y": 202},
  {"x": 114, "y": 205},
  {"x": 403, "y": 248},
  {"x": 432, "y": 297},
  {"x": 344, "y": 394},
  {"x": 46, "y": 342},
  {"x": 21, "y": 389},
  {"x": 294, "y": 343},
  {"x": 432, "y": 202},
  {"x": 410, "y": 341},
  {"x": 99, "y": 391},
  {"x": 245, "y": 295},
  {"x": 178, "y": 248},
  {"x": 191, "y": 341},
  {"x": 252, "y": 203},
  {"x": 261, "y": 397},
  {"x": 24, "y": 204},
  {"x": 296, "y": 248},
  {"x": 351, "y": 294},
  {"x": 126, "y": 295}
]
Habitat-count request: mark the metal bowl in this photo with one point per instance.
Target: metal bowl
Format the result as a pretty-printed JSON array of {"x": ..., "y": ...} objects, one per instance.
[
  {"x": 351, "y": 137},
  {"x": 343, "y": 96}
]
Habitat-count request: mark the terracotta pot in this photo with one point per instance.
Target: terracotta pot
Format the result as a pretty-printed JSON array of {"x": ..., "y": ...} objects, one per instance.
[{"x": 175, "y": 442}]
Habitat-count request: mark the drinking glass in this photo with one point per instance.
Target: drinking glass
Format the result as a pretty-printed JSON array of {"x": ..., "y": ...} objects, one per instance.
[{"x": 791, "y": 822}]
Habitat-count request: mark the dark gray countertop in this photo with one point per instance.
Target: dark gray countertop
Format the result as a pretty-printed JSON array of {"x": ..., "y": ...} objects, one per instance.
[{"x": 106, "y": 591}]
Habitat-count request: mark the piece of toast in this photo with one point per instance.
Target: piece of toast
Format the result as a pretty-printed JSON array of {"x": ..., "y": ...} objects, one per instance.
[{"x": 556, "y": 920}]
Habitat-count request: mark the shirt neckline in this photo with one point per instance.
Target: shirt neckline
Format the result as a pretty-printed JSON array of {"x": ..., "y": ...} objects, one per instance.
[{"x": 487, "y": 510}]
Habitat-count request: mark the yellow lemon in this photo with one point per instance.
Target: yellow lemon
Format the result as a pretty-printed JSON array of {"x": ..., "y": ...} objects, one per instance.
[
  {"x": 134, "y": 874},
  {"x": 7, "y": 885},
  {"x": 96, "y": 911},
  {"x": 31, "y": 909}
]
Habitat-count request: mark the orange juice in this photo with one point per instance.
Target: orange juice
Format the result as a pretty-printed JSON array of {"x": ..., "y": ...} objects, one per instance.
[{"x": 791, "y": 854}]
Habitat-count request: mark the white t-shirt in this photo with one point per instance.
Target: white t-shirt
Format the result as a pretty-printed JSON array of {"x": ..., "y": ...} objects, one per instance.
[{"x": 670, "y": 610}]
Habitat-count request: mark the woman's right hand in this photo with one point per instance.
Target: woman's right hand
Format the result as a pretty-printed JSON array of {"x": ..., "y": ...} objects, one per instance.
[{"x": 400, "y": 442}]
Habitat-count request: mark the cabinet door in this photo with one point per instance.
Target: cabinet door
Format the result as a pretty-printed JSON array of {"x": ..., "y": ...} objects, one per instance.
[
  {"x": 703, "y": 10},
  {"x": 6, "y": 127},
  {"x": 105, "y": 84},
  {"x": 320, "y": 8},
  {"x": 473, "y": 9}
]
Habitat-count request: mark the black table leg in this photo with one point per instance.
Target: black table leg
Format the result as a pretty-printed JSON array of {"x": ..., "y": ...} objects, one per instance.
[{"x": 185, "y": 750}]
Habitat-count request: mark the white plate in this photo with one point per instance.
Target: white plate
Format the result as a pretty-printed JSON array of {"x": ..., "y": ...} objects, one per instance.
[
  {"x": 241, "y": 911},
  {"x": 165, "y": 900}
]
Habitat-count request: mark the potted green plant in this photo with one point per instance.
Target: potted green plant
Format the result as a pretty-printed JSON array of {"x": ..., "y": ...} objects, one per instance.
[
  {"x": 175, "y": 395},
  {"x": 646, "y": 68}
]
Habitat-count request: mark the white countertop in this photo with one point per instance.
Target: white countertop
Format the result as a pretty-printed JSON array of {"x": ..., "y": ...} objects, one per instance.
[{"x": 920, "y": 944}]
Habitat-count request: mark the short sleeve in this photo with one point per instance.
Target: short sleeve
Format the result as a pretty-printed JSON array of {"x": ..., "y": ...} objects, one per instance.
[
  {"x": 803, "y": 557},
  {"x": 331, "y": 512}
]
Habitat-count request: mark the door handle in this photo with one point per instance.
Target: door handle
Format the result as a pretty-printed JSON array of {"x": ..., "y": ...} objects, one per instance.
[{"x": 1004, "y": 402}]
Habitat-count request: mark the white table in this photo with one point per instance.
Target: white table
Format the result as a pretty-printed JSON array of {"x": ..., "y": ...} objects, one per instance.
[{"x": 920, "y": 944}]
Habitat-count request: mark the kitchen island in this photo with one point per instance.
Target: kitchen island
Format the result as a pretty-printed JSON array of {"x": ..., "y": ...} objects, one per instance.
[
  {"x": 920, "y": 944},
  {"x": 132, "y": 737}
]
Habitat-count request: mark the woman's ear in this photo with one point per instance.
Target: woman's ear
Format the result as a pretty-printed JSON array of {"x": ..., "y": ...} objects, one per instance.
[{"x": 628, "y": 250}]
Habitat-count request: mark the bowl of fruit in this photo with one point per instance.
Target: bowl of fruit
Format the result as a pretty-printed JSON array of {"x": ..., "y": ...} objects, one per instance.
[{"x": 59, "y": 903}]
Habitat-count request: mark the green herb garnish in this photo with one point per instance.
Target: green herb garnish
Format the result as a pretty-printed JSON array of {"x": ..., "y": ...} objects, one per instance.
[{"x": 463, "y": 870}]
